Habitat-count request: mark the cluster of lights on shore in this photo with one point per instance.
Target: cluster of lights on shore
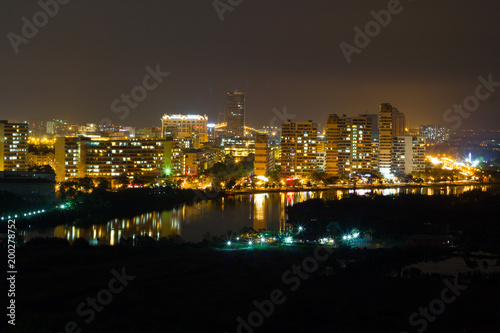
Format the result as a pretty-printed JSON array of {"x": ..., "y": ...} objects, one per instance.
[
  {"x": 250, "y": 241},
  {"x": 33, "y": 213},
  {"x": 15, "y": 216},
  {"x": 262, "y": 239},
  {"x": 350, "y": 236},
  {"x": 287, "y": 240}
]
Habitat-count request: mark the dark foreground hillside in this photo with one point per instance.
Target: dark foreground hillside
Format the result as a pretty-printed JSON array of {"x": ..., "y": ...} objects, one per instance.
[{"x": 188, "y": 288}]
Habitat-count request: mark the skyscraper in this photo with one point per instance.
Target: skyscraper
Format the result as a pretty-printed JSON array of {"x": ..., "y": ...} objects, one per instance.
[
  {"x": 331, "y": 145},
  {"x": 235, "y": 114},
  {"x": 385, "y": 139},
  {"x": 349, "y": 145},
  {"x": 298, "y": 148},
  {"x": 13, "y": 146},
  {"x": 355, "y": 146}
]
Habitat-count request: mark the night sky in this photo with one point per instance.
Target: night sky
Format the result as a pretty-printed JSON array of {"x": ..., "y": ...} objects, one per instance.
[{"x": 282, "y": 53}]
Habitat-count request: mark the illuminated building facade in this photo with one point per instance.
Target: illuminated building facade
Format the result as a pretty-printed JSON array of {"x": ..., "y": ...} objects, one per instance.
[
  {"x": 235, "y": 114},
  {"x": 261, "y": 155},
  {"x": 419, "y": 149},
  {"x": 180, "y": 126},
  {"x": 385, "y": 140},
  {"x": 331, "y": 145},
  {"x": 275, "y": 157},
  {"x": 298, "y": 148},
  {"x": 408, "y": 154},
  {"x": 68, "y": 158},
  {"x": 13, "y": 146},
  {"x": 195, "y": 161},
  {"x": 354, "y": 146},
  {"x": 321, "y": 160},
  {"x": 240, "y": 149},
  {"x": 110, "y": 157},
  {"x": 211, "y": 132},
  {"x": 375, "y": 155},
  {"x": 375, "y": 140},
  {"x": 40, "y": 159},
  {"x": 348, "y": 145},
  {"x": 435, "y": 133}
]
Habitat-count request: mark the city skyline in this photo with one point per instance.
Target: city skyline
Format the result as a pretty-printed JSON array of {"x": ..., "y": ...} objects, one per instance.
[
  {"x": 250, "y": 165},
  {"x": 303, "y": 68}
]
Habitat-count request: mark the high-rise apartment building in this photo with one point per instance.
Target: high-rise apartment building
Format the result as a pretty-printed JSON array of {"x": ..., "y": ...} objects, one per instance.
[
  {"x": 261, "y": 155},
  {"x": 375, "y": 140},
  {"x": 13, "y": 146},
  {"x": 235, "y": 114},
  {"x": 348, "y": 145},
  {"x": 180, "y": 126},
  {"x": 331, "y": 145},
  {"x": 408, "y": 154},
  {"x": 402, "y": 155},
  {"x": 385, "y": 139},
  {"x": 355, "y": 146},
  {"x": 419, "y": 145},
  {"x": 69, "y": 154},
  {"x": 298, "y": 148}
]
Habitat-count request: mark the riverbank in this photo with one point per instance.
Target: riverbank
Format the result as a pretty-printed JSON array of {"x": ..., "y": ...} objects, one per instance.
[
  {"x": 99, "y": 207},
  {"x": 467, "y": 220},
  {"x": 359, "y": 187}
]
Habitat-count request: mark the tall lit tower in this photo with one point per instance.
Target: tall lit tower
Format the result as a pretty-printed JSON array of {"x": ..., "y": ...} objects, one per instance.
[
  {"x": 331, "y": 145},
  {"x": 235, "y": 114},
  {"x": 299, "y": 148},
  {"x": 13, "y": 146},
  {"x": 385, "y": 139}
]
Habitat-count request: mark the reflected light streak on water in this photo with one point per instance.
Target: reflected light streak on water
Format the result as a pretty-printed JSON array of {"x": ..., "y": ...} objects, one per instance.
[{"x": 193, "y": 221}]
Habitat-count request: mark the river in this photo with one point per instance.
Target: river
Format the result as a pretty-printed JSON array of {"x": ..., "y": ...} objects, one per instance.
[{"x": 194, "y": 222}]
